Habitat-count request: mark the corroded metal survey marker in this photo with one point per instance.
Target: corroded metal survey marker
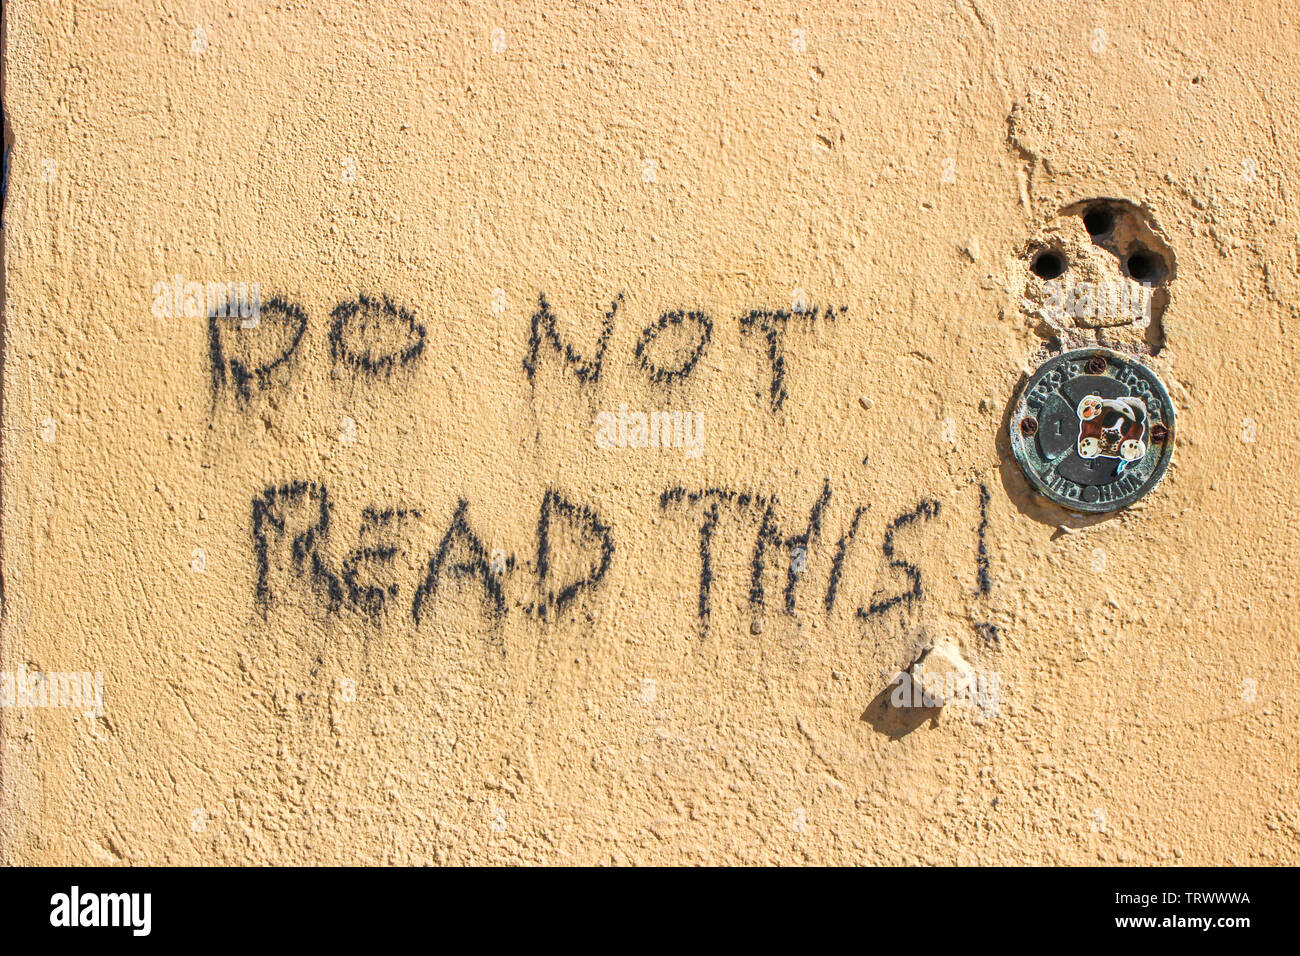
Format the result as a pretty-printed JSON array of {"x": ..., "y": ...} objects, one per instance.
[{"x": 1093, "y": 430}]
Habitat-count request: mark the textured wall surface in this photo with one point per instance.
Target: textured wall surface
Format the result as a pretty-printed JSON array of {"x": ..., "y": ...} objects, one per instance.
[{"x": 380, "y": 574}]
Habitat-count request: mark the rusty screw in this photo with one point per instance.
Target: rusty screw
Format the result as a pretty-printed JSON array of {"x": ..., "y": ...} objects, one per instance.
[
  {"x": 1159, "y": 432},
  {"x": 1096, "y": 365},
  {"x": 1028, "y": 425}
]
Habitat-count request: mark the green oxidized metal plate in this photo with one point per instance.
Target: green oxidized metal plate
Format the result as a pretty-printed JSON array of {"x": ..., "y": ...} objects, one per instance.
[{"x": 1093, "y": 430}]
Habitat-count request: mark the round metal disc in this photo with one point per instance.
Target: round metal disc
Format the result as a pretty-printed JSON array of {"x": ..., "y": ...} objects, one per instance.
[{"x": 1093, "y": 430}]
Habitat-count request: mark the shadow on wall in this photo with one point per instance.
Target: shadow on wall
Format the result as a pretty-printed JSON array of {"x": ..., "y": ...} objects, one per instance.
[
  {"x": 897, "y": 722},
  {"x": 1018, "y": 490}
]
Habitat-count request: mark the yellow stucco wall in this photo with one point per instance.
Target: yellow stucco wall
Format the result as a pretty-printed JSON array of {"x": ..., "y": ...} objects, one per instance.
[{"x": 847, "y": 194}]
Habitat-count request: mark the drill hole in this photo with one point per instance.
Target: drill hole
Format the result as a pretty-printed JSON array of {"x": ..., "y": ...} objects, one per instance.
[
  {"x": 1098, "y": 221},
  {"x": 1048, "y": 265},
  {"x": 1141, "y": 266}
]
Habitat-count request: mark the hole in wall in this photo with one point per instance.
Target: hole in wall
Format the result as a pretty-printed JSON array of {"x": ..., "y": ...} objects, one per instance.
[
  {"x": 1141, "y": 266},
  {"x": 1099, "y": 221},
  {"x": 1048, "y": 265},
  {"x": 1099, "y": 272}
]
